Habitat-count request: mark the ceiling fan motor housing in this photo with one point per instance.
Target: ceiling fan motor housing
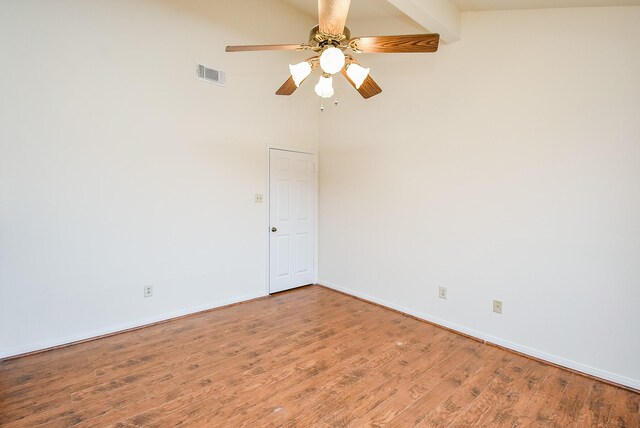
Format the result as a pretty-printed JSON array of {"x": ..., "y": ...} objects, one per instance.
[{"x": 320, "y": 39}]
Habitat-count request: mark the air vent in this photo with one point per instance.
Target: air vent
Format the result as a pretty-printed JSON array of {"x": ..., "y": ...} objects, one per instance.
[{"x": 211, "y": 75}]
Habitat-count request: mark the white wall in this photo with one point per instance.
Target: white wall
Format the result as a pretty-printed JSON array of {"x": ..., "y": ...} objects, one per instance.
[
  {"x": 119, "y": 169},
  {"x": 506, "y": 166}
]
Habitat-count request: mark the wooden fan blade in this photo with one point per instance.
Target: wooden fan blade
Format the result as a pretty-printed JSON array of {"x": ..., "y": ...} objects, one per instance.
[
  {"x": 369, "y": 87},
  {"x": 413, "y": 43},
  {"x": 333, "y": 15},
  {"x": 288, "y": 87},
  {"x": 246, "y": 48}
]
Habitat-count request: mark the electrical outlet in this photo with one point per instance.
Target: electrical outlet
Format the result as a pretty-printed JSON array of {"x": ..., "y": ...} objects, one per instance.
[
  {"x": 497, "y": 306},
  {"x": 259, "y": 199},
  {"x": 442, "y": 292},
  {"x": 148, "y": 290}
]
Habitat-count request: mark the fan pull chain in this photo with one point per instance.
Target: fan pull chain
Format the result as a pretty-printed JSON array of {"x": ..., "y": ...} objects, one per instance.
[{"x": 335, "y": 103}]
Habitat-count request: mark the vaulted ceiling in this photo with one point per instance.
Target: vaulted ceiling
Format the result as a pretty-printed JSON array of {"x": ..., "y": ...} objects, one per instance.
[
  {"x": 477, "y": 5},
  {"x": 371, "y": 9},
  {"x": 443, "y": 16}
]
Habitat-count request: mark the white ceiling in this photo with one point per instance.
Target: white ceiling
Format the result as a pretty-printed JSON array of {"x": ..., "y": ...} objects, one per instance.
[
  {"x": 537, "y": 4},
  {"x": 371, "y": 9}
]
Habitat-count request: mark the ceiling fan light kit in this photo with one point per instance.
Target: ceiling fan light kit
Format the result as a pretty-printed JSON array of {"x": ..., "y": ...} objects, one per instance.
[
  {"x": 332, "y": 60},
  {"x": 324, "y": 88},
  {"x": 300, "y": 71},
  {"x": 357, "y": 74},
  {"x": 329, "y": 40}
]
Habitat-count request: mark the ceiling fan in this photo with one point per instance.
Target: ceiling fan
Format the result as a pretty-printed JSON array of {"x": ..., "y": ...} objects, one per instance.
[{"x": 329, "y": 40}]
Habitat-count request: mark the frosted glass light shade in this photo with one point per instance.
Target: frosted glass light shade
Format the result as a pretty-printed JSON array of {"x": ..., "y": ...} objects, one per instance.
[
  {"x": 324, "y": 88},
  {"x": 357, "y": 74},
  {"x": 300, "y": 71},
  {"x": 332, "y": 60}
]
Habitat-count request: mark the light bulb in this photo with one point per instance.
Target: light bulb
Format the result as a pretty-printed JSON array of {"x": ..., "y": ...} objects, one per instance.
[
  {"x": 332, "y": 60},
  {"x": 357, "y": 74},
  {"x": 300, "y": 71},
  {"x": 324, "y": 88}
]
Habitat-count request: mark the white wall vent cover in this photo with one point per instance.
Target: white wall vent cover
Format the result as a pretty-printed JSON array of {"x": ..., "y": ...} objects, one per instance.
[{"x": 211, "y": 75}]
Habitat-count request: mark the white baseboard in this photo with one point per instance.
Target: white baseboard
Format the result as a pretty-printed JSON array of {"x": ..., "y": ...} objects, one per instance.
[
  {"x": 622, "y": 380},
  {"x": 10, "y": 352}
]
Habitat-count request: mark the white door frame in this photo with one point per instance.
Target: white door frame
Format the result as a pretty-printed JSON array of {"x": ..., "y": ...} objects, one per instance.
[{"x": 267, "y": 231}]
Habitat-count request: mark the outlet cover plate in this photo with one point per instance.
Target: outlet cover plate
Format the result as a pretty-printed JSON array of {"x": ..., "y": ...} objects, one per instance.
[
  {"x": 442, "y": 292},
  {"x": 497, "y": 306},
  {"x": 148, "y": 290}
]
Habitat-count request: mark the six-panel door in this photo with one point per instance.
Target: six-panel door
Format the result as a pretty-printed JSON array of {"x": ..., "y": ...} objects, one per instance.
[{"x": 291, "y": 214}]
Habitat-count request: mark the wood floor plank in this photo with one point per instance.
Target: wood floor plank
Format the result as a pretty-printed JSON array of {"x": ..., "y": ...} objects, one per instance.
[
  {"x": 382, "y": 413},
  {"x": 119, "y": 380},
  {"x": 598, "y": 406},
  {"x": 68, "y": 356},
  {"x": 518, "y": 396},
  {"x": 453, "y": 405},
  {"x": 572, "y": 401},
  {"x": 313, "y": 364},
  {"x": 416, "y": 413},
  {"x": 541, "y": 409},
  {"x": 372, "y": 381},
  {"x": 294, "y": 361},
  {"x": 222, "y": 363},
  {"x": 156, "y": 338},
  {"x": 491, "y": 398},
  {"x": 307, "y": 357},
  {"x": 625, "y": 410},
  {"x": 113, "y": 381},
  {"x": 362, "y": 386}
]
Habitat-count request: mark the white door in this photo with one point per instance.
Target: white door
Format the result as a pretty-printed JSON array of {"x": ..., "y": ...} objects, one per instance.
[{"x": 291, "y": 215}]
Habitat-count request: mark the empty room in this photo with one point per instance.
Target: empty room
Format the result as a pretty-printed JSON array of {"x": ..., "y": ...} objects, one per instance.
[{"x": 320, "y": 213}]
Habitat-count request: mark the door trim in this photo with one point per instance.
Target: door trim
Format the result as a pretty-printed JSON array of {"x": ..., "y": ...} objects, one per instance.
[{"x": 268, "y": 205}]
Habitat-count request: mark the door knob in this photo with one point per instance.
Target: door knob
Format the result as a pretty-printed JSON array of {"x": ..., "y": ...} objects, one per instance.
[{"x": 273, "y": 229}]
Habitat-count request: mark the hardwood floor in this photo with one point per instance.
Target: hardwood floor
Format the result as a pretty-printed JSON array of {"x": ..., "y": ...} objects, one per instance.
[{"x": 307, "y": 357}]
